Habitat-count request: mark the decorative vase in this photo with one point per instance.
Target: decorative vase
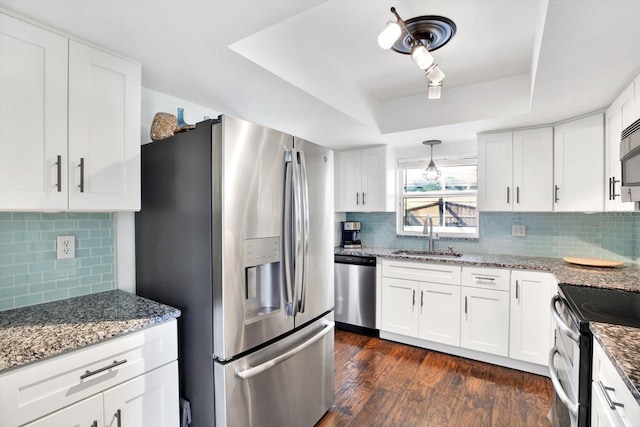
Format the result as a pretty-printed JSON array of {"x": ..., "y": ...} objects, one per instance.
[{"x": 181, "y": 123}]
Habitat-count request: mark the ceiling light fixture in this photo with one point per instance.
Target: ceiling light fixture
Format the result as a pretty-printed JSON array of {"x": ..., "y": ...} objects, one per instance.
[
  {"x": 431, "y": 173},
  {"x": 419, "y": 37}
]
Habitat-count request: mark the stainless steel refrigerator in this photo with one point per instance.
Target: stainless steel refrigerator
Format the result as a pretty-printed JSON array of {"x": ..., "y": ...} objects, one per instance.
[{"x": 236, "y": 230}]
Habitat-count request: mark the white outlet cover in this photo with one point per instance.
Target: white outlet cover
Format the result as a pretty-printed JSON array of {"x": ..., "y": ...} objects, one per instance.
[
  {"x": 66, "y": 247},
  {"x": 519, "y": 230}
]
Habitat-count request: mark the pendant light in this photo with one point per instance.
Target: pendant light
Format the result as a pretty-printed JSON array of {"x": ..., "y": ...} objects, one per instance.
[{"x": 431, "y": 173}]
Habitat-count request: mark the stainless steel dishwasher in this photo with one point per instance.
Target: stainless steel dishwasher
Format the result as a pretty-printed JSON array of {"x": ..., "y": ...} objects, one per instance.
[{"x": 355, "y": 293}]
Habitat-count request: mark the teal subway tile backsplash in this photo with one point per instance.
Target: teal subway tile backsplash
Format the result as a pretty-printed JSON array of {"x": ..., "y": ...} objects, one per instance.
[
  {"x": 29, "y": 270},
  {"x": 601, "y": 235}
]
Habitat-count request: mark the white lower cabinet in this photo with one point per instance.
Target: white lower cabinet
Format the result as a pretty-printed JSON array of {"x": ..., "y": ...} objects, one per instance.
[
  {"x": 439, "y": 313},
  {"x": 428, "y": 309},
  {"x": 87, "y": 413},
  {"x": 399, "y": 314},
  {"x": 147, "y": 401},
  {"x": 530, "y": 319},
  {"x": 485, "y": 320},
  {"x": 612, "y": 404},
  {"x": 130, "y": 381},
  {"x": 476, "y": 312}
]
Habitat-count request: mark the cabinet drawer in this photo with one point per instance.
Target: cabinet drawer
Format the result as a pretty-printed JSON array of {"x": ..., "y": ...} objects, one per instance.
[
  {"x": 486, "y": 278},
  {"x": 606, "y": 376},
  {"x": 422, "y": 272},
  {"x": 43, "y": 387}
]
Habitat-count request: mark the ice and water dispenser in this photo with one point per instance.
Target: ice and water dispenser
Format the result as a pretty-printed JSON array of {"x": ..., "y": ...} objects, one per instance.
[{"x": 262, "y": 277}]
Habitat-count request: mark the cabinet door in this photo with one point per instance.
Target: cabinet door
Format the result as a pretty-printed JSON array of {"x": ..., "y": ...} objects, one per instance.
[
  {"x": 104, "y": 131},
  {"x": 440, "y": 313},
  {"x": 485, "y": 321},
  {"x": 373, "y": 179},
  {"x": 150, "y": 400},
  {"x": 33, "y": 117},
  {"x": 349, "y": 182},
  {"x": 530, "y": 319},
  {"x": 495, "y": 170},
  {"x": 399, "y": 306},
  {"x": 579, "y": 165},
  {"x": 86, "y": 413},
  {"x": 533, "y": 170},
  {"x": 614, "y": 118}
]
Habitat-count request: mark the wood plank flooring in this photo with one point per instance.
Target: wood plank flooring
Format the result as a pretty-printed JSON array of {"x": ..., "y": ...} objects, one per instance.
[{"x": 382, "y": 383}]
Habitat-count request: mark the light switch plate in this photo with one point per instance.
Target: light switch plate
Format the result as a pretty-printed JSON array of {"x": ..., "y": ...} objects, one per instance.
[
  {"x": 66, "y": 248},
  {"x": 518, "y": 230}
]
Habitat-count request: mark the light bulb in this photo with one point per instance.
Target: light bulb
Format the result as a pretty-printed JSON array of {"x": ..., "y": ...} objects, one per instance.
[
  {"x": 435, "y": 90},
  {"x": 389, "y": 35},
  {"x": 435, "y": 74},
  {"x": 421, "y": 56}
]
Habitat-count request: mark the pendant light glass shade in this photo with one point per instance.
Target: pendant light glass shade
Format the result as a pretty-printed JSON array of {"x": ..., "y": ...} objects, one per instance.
[
  {"x": 431, "y": 173},
  {"x": 435, "y": 74},
  {"x": 389, "y": 35},
  {"x": 421, "y": 56}
]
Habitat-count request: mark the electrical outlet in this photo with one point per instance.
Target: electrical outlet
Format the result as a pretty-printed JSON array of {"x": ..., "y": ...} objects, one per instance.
[
  {"x": 519, "y": 230},
  {"x": 66, "y": 248}
]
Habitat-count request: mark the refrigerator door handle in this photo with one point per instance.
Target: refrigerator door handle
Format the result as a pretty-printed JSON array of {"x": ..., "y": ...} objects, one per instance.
[
  {"x": 256, "y": 370},
  {"x": 287, "y": 234},
  {"x": 304, "y": 194},
  {"x": 295, "y": 236}
]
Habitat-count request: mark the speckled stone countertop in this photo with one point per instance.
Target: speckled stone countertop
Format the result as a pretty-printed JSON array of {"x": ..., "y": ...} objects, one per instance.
[
  {"x": 625, "y": 277},
  {"x": 39, "y": 331},
  {"x": 622, "y": 346}
]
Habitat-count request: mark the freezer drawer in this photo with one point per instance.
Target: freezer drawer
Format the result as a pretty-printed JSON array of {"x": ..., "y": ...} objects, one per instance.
[{"x": 288, "y": 383}]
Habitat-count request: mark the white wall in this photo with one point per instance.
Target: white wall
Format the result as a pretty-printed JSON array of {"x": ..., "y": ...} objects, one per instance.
[{"x": 152, "y": 103}]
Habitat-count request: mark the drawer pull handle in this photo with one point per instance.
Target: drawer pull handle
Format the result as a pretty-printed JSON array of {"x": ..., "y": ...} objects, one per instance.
[
  {"x": 118, "y": 416},
  {"x": 485, "y": 279},
  {"x": 605, "y": 391},
  {"x": 115, "y": 363}
]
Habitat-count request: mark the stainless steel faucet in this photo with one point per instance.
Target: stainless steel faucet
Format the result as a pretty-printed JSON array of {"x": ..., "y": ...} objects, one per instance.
[{"x": 428, "y": 222}]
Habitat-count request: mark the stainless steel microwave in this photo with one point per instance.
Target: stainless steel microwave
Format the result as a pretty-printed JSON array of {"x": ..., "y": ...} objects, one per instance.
[{"x": 630, "y": 160}]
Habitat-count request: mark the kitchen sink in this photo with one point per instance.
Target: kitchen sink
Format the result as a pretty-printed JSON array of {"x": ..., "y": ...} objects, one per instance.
[{"x": 427, "y": 253}]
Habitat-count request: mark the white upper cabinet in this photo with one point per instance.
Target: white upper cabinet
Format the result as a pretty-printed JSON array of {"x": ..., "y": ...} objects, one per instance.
[
  {"x": 70, "y": 116},
  {"x": 495, "y": 171},
  {"x": 621, "y": 114},
  {"x": 361, "y": 180},
  {"x": 104, "y": 117},
  {"x": 33, "y": 117},
  {"x": 515, "y": 171},
  {"x": 579, "y": 165}
]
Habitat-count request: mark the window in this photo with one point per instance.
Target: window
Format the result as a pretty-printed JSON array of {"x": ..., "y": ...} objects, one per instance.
[{"x": 451, "y": 200}]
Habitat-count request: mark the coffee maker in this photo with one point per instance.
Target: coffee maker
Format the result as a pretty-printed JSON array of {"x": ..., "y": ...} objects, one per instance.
[{"x": 350, "y": 235}]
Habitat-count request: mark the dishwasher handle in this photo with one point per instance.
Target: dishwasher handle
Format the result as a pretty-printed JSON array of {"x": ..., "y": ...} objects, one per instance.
[{"x": 355, "y": 260}]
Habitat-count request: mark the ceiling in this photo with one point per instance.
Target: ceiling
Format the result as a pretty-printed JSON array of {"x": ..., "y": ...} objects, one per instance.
[{"x": 313, "y": 68}]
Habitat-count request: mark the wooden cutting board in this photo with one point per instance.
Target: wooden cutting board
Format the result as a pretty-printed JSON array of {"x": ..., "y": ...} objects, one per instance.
[{"x": 592, "y": 262}]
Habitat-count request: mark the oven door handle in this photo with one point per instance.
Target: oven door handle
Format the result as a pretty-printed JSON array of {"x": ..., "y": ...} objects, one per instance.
[
  {"x": 564, "y": 328},
  {"x": 562, "y": 395}
]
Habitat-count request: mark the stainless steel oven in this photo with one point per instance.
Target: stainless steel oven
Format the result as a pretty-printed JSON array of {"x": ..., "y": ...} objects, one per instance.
[
  {"x": 570, "y": 359},
  {"x": 570, "y": 366}
]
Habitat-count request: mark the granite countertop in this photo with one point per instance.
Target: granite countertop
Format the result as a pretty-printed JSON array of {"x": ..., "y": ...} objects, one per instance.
[
  {"x": 625, "y": 277},
  {"x": 622, "y": 346},
  {"x": 33, "y": 333}
]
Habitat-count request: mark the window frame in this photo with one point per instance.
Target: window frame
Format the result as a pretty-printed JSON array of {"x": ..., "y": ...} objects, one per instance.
[{"x": 443, "y": 232}]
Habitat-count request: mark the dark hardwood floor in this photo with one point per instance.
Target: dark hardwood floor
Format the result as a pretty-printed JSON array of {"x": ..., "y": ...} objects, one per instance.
[{"x": 382, "y": 383}]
